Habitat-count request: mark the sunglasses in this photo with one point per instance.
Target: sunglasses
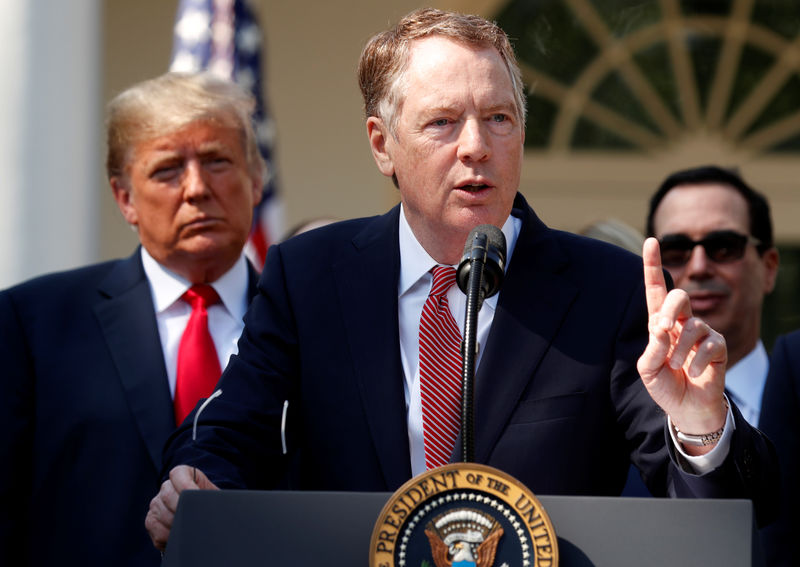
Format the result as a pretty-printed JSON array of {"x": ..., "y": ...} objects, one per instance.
[{"x": 721, "y": 246}]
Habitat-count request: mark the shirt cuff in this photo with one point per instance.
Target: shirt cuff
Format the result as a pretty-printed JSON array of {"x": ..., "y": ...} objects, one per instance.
[{"x": 702, "y": 464}]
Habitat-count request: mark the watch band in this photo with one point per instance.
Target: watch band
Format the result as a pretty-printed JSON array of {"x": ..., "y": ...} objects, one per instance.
[{"x": 701, "y": 440}]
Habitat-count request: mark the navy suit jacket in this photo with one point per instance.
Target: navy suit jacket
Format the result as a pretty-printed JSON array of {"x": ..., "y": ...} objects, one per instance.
[
  {"x": 559, "y": 403},
  {"x": 85, "y": 411},
  {"x": 780, "y": 420}
]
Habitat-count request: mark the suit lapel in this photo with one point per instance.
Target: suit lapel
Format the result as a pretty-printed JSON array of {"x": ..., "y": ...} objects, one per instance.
[
  {"x": 367, "y": 279},
  {"x": 533, "y": 302},
  {"x": 125, "y": 313}
]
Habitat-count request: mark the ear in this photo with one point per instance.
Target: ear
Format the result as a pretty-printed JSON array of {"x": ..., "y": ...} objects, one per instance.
[
  {"x": 771, "y": 260},
  {"x": 124, "y": 198},
  {"x": 258, "y": 187},
  {"x": 380, "y": 144}
]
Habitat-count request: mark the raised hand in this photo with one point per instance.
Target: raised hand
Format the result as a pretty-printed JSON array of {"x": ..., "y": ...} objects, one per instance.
[{"x": 683, "y": 365}]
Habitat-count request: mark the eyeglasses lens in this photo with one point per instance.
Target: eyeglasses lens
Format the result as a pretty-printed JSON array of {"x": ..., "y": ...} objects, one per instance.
[{"x": 721, "y": 247}]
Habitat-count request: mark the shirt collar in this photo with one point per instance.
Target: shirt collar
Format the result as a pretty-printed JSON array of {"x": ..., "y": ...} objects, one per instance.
[
  {"x": 746, "y": 377},
  {"x": 415, "y": 262},
  {"x": 167, "y": 287}
]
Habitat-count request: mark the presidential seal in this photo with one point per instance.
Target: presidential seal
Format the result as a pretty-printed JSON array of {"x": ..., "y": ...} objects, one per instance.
[{"x": 463, "y": 515}]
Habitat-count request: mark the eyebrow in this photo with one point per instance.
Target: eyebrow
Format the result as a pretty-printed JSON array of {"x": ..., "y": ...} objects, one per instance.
[{"x": 506, "y": 107}]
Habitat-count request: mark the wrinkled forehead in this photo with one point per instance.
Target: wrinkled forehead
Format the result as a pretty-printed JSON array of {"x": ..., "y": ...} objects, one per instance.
[
  {"x": 162, "y": 122},
  {"x": 435, "y": 52},
  {"x": 201, "y": 133},
  {"x": 440, "y": 62}
]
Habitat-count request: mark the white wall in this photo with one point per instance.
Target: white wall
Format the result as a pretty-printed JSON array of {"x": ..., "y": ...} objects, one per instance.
[{"x": 49, "y": 93}]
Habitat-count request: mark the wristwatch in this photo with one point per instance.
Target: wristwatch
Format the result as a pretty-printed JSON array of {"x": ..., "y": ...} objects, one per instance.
[
  {"x": 698, "y": 440},
  {"x": 701, "y": 440}
]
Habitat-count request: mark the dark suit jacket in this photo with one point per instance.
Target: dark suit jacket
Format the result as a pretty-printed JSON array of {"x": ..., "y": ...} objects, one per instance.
[
  {"x": 85, "y": 411},
  {"x": 559, "y": 404},
  {"x": 780, "y": 420}
]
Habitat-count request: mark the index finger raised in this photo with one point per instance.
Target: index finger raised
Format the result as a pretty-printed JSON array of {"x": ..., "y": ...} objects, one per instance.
[{"x": 655, "y": 286}]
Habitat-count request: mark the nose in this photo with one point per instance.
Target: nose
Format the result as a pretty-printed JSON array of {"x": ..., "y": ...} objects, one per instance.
[
  {"x": 699, "y": 265},
  {"x": 472, "y": 142},
  {"x": 195, "y": 186}
]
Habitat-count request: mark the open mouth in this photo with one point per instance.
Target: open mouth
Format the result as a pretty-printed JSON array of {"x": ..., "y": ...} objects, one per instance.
[{"x": 473, "y": 187}]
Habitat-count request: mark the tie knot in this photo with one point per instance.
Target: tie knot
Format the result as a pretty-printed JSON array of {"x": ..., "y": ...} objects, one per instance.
[
  {"x": 443, "y": 278},
  {"x": 201, "y": 295}
]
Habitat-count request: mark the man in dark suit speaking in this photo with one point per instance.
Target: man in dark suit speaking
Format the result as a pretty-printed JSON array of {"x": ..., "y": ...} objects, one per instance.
[
  {"x": 92, "y": 358},
  {"x": 332, "y": 384}
]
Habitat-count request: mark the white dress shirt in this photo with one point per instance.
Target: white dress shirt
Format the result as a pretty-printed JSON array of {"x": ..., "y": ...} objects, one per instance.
[
  {"x": 172, "y": 313},
  {"x": 745, "y": 382},
  {"x": 413, "y": 289}
]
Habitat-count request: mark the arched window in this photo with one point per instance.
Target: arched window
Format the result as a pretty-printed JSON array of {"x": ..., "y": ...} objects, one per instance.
[
  {"x": 645, "y": 75},
  {"x": 623, "y": 92}
]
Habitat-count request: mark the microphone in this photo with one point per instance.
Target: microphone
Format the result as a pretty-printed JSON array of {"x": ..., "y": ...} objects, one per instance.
[
  {"x": 479, "y": 276},
  {"x": 485, "y": 244}
]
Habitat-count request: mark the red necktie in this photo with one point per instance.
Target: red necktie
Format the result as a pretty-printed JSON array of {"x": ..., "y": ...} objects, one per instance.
[
  {"x": 439, "y": 370},
  {"x": 198, "y": 364}
]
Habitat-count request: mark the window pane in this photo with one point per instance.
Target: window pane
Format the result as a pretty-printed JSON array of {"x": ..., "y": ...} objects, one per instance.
[
  {"x": 706, "y": 7},
  {"x": 613, "y": 92},
  {"x": 654, "y": 63},
  {"x": 784, "y": 103},
  {"x": 780, "y": 16},
  {"x": 548, "y": 37},
  {"x": 704, "y": 51},
  {"x": 753, "y": 65},
  {"x": 627, "y": 16},
  {"x": 587, "y": 135},
  {"x": 541, "y": 114}
]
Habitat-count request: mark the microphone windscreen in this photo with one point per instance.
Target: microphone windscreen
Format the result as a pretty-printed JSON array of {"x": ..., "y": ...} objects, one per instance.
[
  {"x": 484, "y": 241},
  {"x": 496, "y": 240}
]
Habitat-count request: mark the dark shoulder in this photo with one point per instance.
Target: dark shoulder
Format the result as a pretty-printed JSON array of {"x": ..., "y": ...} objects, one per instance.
[
  {"x": 331, "y": 243},
  {"x": 593, "y": 247},
  {"x": 308, "y": 260},
  {"x": 329, "y": 236},
  {"x": 790, "y": 340},
  {"x": 787, "y": 350},
  {"x": 560, "y": 250},
  {"x": 607, "y": 262},
  {"x": 67, "y": 282}
]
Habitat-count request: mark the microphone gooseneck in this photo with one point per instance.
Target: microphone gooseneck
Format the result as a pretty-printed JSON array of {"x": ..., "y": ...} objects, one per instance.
[{"x": 479, "y": 276}]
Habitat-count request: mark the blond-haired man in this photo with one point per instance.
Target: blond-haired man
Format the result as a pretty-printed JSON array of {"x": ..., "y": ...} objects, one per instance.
[{"x": 91, "y": 356}]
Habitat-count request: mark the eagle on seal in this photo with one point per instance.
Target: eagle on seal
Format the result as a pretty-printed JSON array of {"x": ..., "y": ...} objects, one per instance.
[{"x": 460, "y": 547}]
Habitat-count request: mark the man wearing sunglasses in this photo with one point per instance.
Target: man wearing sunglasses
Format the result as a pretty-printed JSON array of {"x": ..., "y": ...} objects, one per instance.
[{"x": 716, "y": 242}]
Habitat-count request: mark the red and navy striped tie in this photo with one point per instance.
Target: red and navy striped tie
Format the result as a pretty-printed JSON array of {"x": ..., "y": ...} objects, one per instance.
[{"x": 440, "y": 370}]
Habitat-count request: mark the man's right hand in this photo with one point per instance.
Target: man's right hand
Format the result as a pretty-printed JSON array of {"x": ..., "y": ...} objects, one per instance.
[{"x": 162, "y": 507}]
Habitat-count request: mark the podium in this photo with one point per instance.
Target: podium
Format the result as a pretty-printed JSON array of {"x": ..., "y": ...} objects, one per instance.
[{"x": 234, "y": 528}]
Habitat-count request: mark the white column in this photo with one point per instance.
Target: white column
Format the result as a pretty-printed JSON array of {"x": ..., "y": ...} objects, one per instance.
[{"x": 50, "y": 151}]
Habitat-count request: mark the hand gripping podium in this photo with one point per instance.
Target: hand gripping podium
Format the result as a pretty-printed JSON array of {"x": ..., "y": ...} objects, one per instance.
[{"x": 332, "y": 529}]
